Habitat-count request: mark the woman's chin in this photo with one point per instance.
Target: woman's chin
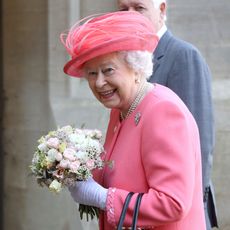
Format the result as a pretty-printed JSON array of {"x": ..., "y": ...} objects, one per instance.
[
  {"x": 109, "y": 105},
  {"x": 110, "y": 102}
]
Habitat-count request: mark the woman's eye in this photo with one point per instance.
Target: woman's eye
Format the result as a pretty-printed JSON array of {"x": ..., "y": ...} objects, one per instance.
[
  {"x": 139, "y": 8},
  {"x": 123, "y": 9},
  {"x": 108, "y": 71},
  {"x": 91, "y": 73}
]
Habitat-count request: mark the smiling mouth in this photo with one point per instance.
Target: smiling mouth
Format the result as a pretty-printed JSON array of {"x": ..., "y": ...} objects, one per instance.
[{"x": 107, "y": 94}]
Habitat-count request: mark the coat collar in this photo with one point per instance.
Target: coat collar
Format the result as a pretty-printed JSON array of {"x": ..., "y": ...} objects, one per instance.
[{"x": 161, "y": 48}]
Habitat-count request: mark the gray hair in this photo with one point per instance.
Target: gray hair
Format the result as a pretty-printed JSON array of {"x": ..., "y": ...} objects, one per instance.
[{"x": 140, "y": 61}]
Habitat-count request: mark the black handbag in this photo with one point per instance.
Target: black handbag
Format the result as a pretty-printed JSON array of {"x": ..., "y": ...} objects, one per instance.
[{"x": 135, "y": 213}]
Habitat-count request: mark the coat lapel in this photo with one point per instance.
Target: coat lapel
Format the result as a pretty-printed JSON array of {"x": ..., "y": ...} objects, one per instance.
[{"x": 160, "y": 50}]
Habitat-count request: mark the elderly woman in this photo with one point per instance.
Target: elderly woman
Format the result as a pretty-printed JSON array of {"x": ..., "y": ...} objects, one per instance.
[{"x": 152, "y": 138}]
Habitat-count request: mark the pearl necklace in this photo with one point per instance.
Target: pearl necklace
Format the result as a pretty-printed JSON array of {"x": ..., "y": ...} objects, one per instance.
[{"x": 140, "y": 95}]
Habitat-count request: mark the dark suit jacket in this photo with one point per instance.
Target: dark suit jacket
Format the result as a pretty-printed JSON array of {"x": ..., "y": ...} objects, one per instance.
[{"x": 179, "y": 66}]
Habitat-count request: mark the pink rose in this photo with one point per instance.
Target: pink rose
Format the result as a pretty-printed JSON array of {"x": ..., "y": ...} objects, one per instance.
[
  {"x": 59, "y": 174},
  {"x": 74, "y": 166},
  {"x": 58, "y": 156},
  {"x": 90, "y": 164},
  {"x": 69, "y": 154},
  {"x": 53, "y": 142}
]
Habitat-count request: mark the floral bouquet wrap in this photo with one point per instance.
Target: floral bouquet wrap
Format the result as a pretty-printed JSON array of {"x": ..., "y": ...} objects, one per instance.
[{"x": 66, "y": 156}]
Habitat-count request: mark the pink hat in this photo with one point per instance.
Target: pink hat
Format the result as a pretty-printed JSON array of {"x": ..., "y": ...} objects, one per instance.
[{"x": 117, "y": 31}]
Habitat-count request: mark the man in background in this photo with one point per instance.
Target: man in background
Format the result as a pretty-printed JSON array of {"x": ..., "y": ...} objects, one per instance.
[{"x": 180, "y": 66}]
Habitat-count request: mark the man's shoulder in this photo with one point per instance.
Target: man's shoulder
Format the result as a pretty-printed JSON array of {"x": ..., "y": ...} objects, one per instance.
[
  {"x": 172, "y": 47},
  {"x": 179, "y": 44}
]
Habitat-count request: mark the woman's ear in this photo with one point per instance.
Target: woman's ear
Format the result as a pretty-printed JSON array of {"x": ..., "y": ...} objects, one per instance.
[{"x": 137, "y": 77}]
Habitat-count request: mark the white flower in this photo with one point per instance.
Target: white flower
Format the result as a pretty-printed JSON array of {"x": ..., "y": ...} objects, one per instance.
[
  {"x": 88, "y": 132},
  {"x": 83, "y": 145},
  {"x": 67, "y": 129},
  {"x": 64, "y": 164},
  {"x": 80, "y": 139},
  {"x": 35, "y": 159},
  {"x": 69, "y": 154},
  {"x": 98, "y": 134},
  {"x": 82, "y": 155},
  {"x": 95, "y": 144},
  {"x": 78, "y": 131},
  {"x": 73, "y": 137},
  {"x": 42, "y": 147},
  {"x": 53, "y": 142},
  {"x": 51, "y": 155},
  {"x": 94, "y": 134},
  {"x": 55, "y": 186}
]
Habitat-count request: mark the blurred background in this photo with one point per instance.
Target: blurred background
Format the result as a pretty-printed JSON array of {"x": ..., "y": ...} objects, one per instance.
[{"x": 36, "y": 96}]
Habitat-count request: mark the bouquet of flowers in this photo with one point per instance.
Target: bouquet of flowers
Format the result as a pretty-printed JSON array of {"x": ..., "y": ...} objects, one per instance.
[{"x": 65, "y": 156}]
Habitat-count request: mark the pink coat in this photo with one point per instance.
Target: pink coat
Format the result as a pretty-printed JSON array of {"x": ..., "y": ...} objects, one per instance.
[{"x": 158, "y": 154}]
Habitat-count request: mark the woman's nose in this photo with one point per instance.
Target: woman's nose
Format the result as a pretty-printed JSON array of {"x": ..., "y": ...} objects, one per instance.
[{"x": 100, "y": 82}]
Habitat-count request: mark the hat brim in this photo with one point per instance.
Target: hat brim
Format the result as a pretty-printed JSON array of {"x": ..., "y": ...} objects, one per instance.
[{"x": 74, "y": 67}]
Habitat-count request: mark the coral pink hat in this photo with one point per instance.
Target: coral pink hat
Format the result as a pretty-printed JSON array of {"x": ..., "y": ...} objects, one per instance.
[{"x": 107, "y": 33}]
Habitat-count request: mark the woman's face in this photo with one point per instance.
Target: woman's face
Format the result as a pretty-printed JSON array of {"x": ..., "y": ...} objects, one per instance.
[{"x": 111, "y": 81}]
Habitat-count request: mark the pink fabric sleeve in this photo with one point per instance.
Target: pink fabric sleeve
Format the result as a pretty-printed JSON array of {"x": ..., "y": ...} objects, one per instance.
[{"x": 110, "y": 207}]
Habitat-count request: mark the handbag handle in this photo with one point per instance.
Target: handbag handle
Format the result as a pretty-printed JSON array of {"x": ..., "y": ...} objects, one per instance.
[
  {"x": 136, "y": 211},
  {"x": 124, "y": 210}
]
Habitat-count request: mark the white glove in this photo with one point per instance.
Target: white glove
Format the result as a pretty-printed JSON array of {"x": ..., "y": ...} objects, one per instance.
[{"x": 89, "y": 193}]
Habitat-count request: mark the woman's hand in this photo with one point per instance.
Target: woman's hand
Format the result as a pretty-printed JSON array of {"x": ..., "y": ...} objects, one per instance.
[{"x": 89, "y": 193}]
